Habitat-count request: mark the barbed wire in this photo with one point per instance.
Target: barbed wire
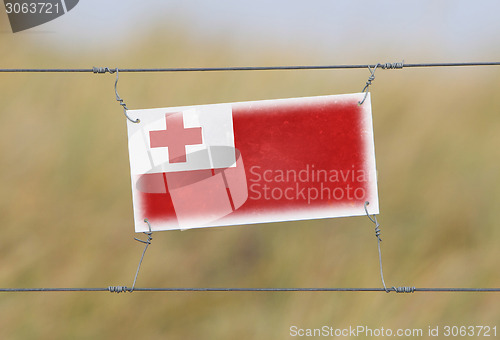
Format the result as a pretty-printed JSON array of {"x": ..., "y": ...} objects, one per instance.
[{"x": 398, "y": 65}]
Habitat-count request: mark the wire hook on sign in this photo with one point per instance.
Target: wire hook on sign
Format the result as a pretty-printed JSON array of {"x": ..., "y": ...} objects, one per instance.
[
  {"x": 122, "y": 289},
  {"x": 147, "y": 242},
  {"x": 367, "y": 85},
  {"x": 385, "y": 66},
  {"x": 377, "y": 235},
  {"x": 118, "y": 99}
]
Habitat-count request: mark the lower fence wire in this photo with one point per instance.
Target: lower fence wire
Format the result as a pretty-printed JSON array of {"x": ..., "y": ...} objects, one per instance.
[{"x": 119, "y": 289}]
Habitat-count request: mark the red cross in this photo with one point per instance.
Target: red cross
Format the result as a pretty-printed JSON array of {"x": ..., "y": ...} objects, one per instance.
[{"x": 175, "y": 137}]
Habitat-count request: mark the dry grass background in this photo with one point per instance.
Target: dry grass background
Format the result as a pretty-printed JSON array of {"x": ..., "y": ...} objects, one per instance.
[{"x": 66, "y": 211}]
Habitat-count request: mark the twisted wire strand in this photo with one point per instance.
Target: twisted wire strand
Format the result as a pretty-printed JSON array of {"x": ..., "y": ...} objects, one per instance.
[
  {"x": 368, "y": 83},
  {"x": 379, "y": 239},
  {"x": 102, "y": 70},
  {"x": 147, "y": 242},
  {"x": 377, "y": 234},
  {"x": 118, "y": 99},
  {"x": 392, "y": 66},
  {"x": 122, "y": 289},
  {"x": 118, "y": 289},
  {"x": 404, "y": 289}
]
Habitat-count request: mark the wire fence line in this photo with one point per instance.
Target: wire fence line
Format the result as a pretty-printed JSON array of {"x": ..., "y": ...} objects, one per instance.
[
  {"x": 123, "y": 289},
  {"x": 371, "y": 67},
  {"x": 397, "y": 65}
]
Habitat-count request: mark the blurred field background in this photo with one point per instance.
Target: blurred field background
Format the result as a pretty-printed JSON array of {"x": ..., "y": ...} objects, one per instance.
[{"x": 66, "y": 209}]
